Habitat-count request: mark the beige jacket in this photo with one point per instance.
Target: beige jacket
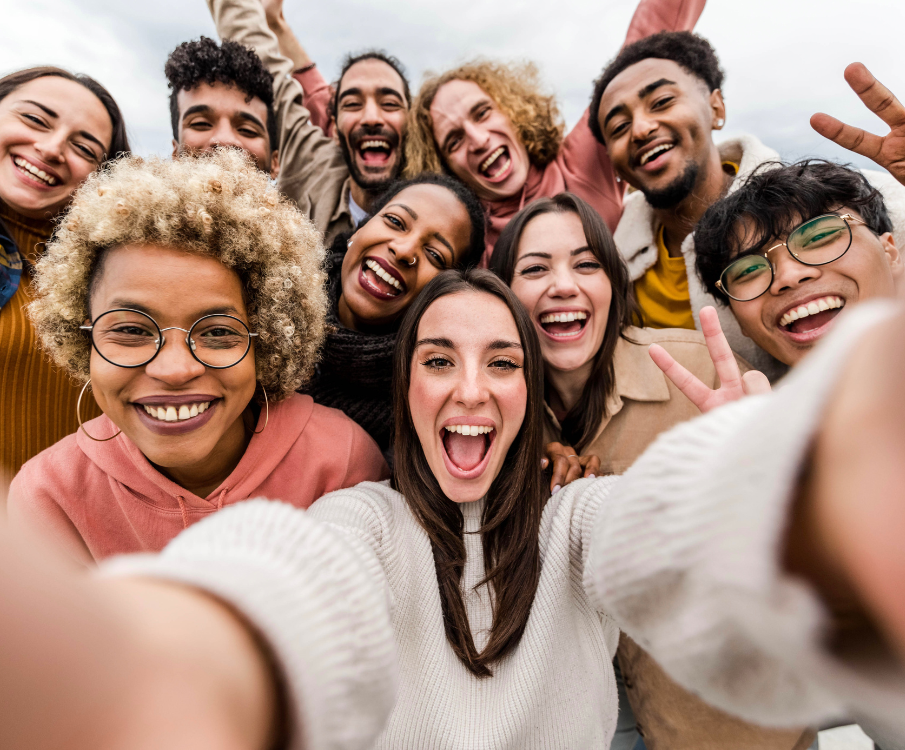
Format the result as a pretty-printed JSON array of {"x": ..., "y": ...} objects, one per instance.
[
  {"x": 312, "y": 170},
  {"x": 644, "y": 403}
]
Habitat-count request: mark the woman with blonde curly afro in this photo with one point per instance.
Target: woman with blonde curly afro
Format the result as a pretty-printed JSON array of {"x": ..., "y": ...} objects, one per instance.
[
  {"x": 490, "y": 125},
  {"x": 190, "y": 297}
]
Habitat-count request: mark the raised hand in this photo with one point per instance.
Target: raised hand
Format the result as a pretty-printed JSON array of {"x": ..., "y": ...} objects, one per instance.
[
  {"x": 568, "y": 465},
  {"x": 733, "y": 385},
  {"x": 888, "y": 150}
]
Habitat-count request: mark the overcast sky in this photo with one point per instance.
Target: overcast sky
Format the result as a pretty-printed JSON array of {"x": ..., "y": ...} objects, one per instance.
[{"x": 783, "y": 58}]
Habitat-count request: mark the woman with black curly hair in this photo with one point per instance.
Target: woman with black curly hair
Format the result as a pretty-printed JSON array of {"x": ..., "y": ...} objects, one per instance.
[{"x": 190, "y": 296}]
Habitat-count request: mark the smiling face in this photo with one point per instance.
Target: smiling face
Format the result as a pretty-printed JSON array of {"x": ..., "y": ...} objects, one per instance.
[
  {"x": 218, "y": 115},
  {"x": 467, "y": 392},
  {"x": 423, "y": 230},
  {"x": 478, "y": 141},
  {"x": 564, "y": 288},
  {"x": 203, "y": 437},
  {"x": 53, "y": 134},
  {"x": 370, "y": 122},
  {"x": 871, "y": 268},
  {"x": 657, "y": 120}
]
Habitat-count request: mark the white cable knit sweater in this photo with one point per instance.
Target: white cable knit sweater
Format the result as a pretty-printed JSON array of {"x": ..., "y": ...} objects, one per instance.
[{"x": 682, "y": 551}]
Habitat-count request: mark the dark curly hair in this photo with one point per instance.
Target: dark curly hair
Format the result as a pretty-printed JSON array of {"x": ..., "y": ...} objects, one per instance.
[
  {"x": 464, "y": 195},
  {"x": 205, "y": 61},
  {"x": 371, "y": 54},
  {"x": 691, "y": 51},
  {"x": 771, "y": 202}
]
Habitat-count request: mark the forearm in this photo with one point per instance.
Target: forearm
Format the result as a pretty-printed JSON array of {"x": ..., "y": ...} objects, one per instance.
[{"x": 290, "y": 46}]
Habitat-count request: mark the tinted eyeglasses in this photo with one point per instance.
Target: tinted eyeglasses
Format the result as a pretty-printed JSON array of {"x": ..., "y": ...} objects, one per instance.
[
  {"x": 129, "y": 338},
  {"x": 816, "y": 242}
]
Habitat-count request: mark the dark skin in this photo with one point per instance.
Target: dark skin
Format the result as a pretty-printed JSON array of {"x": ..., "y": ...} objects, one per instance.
[{"x": 655, "y": 103}]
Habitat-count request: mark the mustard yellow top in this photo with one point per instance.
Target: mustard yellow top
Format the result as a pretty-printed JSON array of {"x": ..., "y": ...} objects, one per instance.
[{"x": 662, "y": 292}]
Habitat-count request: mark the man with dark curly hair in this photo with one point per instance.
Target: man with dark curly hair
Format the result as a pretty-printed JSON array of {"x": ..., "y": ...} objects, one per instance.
[
  {"x": 656, "y": 107},
  {"x": 341, "y": 147},
  {"x": 221, "y": 95}
]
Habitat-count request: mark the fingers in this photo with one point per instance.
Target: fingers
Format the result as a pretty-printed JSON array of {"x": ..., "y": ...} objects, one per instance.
[
  {"x": 847, "y": 136},
  {"x": 696, "y": 391},
  {"x": 876, "y": 97},
  {"x": 591, "y": 465},
  {"x": 566, "y": 465},
  {"x": 755, "y": 382},
  {"x": 720, "y": 352}
]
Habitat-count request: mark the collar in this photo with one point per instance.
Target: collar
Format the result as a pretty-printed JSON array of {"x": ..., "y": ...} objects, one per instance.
[{"x": 342, "y": 207}]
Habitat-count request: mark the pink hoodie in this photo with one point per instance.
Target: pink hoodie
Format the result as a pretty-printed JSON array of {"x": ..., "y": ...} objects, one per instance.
[{"x": 101, "y": 499}]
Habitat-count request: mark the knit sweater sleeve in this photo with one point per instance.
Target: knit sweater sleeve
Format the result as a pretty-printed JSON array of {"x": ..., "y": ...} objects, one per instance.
[
  {"x": 685, "y": 555},
  {"x": 317, "y": 599}
]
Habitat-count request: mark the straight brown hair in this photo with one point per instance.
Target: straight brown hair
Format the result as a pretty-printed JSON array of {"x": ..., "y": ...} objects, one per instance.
[
  {"x": 119, "y": 142},
  {"x": 514, "y": 504},
  {"x": 584, "y": 418}
]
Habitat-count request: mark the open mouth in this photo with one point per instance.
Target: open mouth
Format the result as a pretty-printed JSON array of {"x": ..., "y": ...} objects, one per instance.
[
  {"x": 467, "y": 448},
  {"x": 564, "y": 325},
  {"x": 806, "y": 320},
  {"x": 380, "y": 280},
  {"x": 375, "y": 151},
  {"x": 177, "y": 416},
  {"x": 34, "y": 172},
  {"x": 651, "y": 158},
  {"x": 497, "y": 166},
  {"x": 174, "y": 413}
]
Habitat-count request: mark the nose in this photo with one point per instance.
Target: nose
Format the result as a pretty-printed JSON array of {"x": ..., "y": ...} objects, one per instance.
[
  {"x": 405, "y": 250},
  {"x": 51, "y": 146},
  {"x": 174, "y": 363},
  {"x": 371, "y": 114},
  {"x": 643, "y": 126},
  {"x": 563, "y": 283},
  {"x": 471, "y": 386},
  {"x": 788, "y": 273},
  {"x": 476, "y": 137},
  {"x": 224, "y": 135}
]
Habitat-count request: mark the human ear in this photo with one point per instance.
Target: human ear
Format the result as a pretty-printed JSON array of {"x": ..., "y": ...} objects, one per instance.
[
  {"x": 274, "y": 164},
  {"x": 893, "y": 256},
  {"x": 175, "y": 148},
  {"x": 717, "y": 109}
]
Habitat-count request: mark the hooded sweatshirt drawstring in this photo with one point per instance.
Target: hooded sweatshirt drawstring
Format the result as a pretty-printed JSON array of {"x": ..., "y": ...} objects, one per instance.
[
  {"x": 221, "y": 496},
  {"x": 185, "y": 512}
]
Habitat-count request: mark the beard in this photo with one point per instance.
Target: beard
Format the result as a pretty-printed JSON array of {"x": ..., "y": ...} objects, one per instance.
[
  {"x": 677, "y": 191},
  {"x": 371, "y": 183}
]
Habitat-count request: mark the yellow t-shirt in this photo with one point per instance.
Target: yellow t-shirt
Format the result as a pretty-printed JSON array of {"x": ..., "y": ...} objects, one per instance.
[{"x": 662, "y": 292}]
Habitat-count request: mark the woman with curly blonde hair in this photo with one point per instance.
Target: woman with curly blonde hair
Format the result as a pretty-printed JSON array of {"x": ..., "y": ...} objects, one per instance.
[
  {"x": 190, "y": 296},
  {"x": 490, "y": 125}
]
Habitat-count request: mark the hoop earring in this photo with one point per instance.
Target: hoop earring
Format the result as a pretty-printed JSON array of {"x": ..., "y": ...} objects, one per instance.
[
  {"x": 266, "y": 413},
  {"x": 78, "y": 416}
]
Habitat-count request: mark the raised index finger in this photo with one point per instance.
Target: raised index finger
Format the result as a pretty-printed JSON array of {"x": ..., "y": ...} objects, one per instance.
[
  {"x": 720, "y": 351},
  {"x": 876, "y": 97}
]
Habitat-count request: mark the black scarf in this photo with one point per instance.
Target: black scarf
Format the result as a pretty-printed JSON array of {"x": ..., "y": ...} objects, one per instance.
[{"x": 355, "y": 373}]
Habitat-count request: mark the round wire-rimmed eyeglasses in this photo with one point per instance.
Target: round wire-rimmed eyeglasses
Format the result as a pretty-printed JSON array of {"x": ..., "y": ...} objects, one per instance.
[
  {"x": 815, "y": 242},
  {"x": 131, "y": 338}
]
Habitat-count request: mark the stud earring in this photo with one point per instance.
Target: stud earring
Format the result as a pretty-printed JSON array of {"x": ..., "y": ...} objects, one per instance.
[
  {"x": 349, "y": 243},
  {"x": 719, "y": 123}
]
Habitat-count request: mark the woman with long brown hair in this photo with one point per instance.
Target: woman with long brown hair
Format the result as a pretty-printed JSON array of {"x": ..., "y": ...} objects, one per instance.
[{"x": 56, "y": 128}]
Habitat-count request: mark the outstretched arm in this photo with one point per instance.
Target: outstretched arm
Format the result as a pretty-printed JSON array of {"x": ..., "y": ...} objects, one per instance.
[
  {"x": 290, "y": 46},
  {"x": 889, "y": 150}
]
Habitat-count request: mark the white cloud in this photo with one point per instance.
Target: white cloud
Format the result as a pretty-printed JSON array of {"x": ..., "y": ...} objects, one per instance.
[{"x": 783, "y": 58}]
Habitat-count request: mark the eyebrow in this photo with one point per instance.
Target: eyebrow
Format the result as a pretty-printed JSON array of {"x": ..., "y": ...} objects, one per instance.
[
  {"x": 573, "y": 253},
  {"x": 251, "y": 118},
  {"x": 644, "y": 92},
  {"x": 446, "y": 343},
  {"x": 121, "y": 302},
  {"x": 474, "y": 108},
  {"x": 50, "y": 113},
  {"x": 503, "y": 344}
]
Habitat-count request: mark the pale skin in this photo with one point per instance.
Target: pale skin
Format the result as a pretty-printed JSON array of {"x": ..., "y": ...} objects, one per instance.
[
  {"x": 121, "y": 656},
  {"x": 654, "y": 103},
  {"x": 57, "y": 127}
]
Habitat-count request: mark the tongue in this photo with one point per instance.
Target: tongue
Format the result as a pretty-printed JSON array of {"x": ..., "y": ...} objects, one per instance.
[
  {"x": 374, "y": 156},
  {"x": 497, "y": 165},
  {"x": 563, "y": 328},
  {"x": 811, "y": 322},
  {"x": 465, "y": 451}
]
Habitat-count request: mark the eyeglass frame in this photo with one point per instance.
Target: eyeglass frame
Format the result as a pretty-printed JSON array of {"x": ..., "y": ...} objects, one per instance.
[
  {"x": 766, "y": 254},
  {"x": 189, "y": 342}
]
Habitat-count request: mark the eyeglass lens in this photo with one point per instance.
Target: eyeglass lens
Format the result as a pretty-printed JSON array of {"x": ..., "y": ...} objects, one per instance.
[
  {"x": 814, "y": 243},
  {"x": 129, "y": 339}
]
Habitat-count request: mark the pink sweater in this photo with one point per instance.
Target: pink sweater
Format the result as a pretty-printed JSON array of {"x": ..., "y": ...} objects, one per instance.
[
  {"x": 582, "y": 166},
  {"x": 101, "y": 499}
]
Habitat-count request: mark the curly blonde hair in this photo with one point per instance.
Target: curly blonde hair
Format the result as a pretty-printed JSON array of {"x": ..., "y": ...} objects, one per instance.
[
  {"x": 218, "y": 205},
  {"x": 515, "y": 88}
]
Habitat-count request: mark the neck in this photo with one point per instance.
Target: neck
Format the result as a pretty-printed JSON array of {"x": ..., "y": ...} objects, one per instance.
[
  {"x": 204, "y": 477},
  {"x": 679, "y": 221},
  {"x": 362, "y": 196},
  {"x": 564, "y": 387}
]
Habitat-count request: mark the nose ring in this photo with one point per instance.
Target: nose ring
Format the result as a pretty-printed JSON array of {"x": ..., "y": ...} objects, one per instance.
[{"x": 412, "y": 262}]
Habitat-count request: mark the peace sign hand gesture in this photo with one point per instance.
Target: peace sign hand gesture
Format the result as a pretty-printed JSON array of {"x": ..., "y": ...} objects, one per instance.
[
  {"x": 888, "y": 150},
  {"x": 733, "y": 385}
]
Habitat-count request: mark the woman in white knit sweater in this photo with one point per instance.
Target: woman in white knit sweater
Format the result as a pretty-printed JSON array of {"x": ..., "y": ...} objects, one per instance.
[{"x": 330, "y": 625}]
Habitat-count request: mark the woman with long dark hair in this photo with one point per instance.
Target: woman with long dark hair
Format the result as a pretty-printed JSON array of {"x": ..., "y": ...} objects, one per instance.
[{"x": 56, "y": 128}]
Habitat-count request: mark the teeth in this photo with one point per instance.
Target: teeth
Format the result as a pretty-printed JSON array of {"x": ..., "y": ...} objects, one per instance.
[
  {"x": 491, "y": 159},
  {"x": 654, "y": 151},
  {"x": 468, "y": 429},
  {"x": 375, "y": 144},
  {"x": 174, "y": 413},
  {"x": 567, "y": 317},
  {"x": 32, "y": 169},
  {"x": 378, "y": 270},
  {"x": 812, "y": 308}
]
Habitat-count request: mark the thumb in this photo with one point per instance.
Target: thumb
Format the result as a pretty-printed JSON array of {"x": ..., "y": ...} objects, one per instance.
[{"x": 755, "y": 382}]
